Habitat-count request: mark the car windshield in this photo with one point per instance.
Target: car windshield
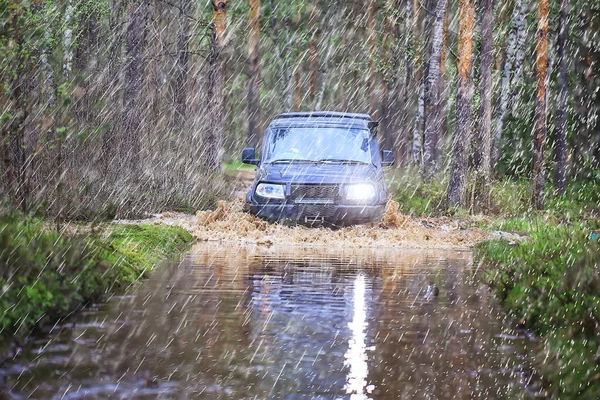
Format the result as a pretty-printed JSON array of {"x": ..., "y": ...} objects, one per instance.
[{"x": 319, "y": 144}]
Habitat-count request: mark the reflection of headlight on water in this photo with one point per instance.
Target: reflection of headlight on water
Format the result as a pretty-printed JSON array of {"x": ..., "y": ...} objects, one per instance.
[
  {"x": 270, "y": 191},
  {"x": 360, "y": 191}
]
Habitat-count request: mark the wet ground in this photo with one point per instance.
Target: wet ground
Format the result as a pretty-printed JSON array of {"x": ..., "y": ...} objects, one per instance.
[{"x": 285, "y": 322}]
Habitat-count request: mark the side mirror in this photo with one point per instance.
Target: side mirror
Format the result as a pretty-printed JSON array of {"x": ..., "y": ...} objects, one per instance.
[
  {"x": 249, "y": 156},
  {"x": 387, "y": 158}
]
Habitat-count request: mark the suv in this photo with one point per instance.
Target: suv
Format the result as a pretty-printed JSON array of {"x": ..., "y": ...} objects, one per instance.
[{"x": 319, "y": 168}]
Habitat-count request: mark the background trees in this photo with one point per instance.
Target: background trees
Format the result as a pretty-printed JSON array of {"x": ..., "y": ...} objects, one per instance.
[{"x": 95, "y": 93}]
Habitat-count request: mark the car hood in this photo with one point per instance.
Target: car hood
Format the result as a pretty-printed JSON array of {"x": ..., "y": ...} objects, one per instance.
[{"x": 317, "y": 173}]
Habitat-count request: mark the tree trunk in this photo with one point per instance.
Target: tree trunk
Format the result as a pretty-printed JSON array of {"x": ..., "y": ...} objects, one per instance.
[
  {"x": 154, "y": 79},
  {"x": 417, "y": 141},
  {"x": 134, "y": 76},
  {"x": 182, "y": 69},
  {"x": 539, "y": 130},
  {"x": 560, "y": 182},
  {"x": 443, "y": 115},
  {"x": 408, "y": 83},
  {"x": 312, "y": 52},
  {"x": 484, "y": 123},
  {"x": 432, "y": 110},
  {"x": 282, "y": 52},
  {"x": 325, "y": 62},
  {"x": 68, "y": 39},
  {"x": 394, "y": 101},
  {"x": 464, "y": 97},
  {"x": 110, "y": 138},
  {"x": 213, "y": 141},
  {"x": 372, "y": 96},
  {"x": 507, "y": 71},
  {"x": 254, "y": 75}
]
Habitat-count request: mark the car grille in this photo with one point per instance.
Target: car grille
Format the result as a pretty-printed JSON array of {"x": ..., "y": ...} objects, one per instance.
[
  {"x": 314, "y": 193},
  {"x": 315, "y": 210}
]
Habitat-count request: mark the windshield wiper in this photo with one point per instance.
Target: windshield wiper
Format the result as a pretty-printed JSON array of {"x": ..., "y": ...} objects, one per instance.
[
  {"x": 342, "y": 161},
  {"x": 292, "y": 160}
]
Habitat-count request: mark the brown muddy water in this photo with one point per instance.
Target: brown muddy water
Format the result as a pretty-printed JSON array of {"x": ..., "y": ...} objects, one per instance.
[{"x": 249, "y": 322}]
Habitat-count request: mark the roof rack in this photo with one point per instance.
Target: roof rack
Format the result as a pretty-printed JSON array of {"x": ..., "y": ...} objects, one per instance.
[{"x": 324, "y": 114}]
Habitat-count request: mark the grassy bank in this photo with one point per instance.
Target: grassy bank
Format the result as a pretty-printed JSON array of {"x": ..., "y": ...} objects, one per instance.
[
  {"x": 549, "y": 283},
  {"x": 45, "y": 276}
]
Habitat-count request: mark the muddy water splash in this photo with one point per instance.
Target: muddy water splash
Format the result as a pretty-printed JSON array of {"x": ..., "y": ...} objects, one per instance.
[
  {"x": 229, "y": 223},
  {"x": 240, "y": 322}
]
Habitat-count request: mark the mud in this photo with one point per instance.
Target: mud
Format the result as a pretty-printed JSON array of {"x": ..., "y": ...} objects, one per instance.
[{"x": 229, "y": 223}]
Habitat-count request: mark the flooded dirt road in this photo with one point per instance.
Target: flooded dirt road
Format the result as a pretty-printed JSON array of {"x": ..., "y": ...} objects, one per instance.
[{"x": 250, "y": 322}]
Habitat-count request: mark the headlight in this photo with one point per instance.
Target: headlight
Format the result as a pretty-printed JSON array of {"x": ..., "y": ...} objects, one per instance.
[
  {"x": 270, "y": 191},
  {"x": 360, "y": 192}
]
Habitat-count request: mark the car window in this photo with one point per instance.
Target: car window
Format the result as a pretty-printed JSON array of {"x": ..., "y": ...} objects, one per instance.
[{"x": 318, "y": 144}]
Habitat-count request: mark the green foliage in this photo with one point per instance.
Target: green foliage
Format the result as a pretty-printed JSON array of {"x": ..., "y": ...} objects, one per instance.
[
  {"x": 46, "y": 276},
  {"x": 551, "y": 283},
  {"x": 416, "y": 197}
]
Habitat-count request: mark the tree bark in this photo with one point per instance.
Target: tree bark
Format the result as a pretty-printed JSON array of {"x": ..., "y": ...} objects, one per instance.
[
  {"x": 432, "y": 110},
  {"x": 312, "y": 52},
  {"x": 417, "y": 140},
  {"x": 68, "y": 39},
  {"x": 464, "y": 97},
  {"x": 110, "y": 138},
  {"x": 134, "y": 77},
  {"x": 443, "y": 90},
  {"x": 484, "y": 123},
  {"x": 560, "y": 181},
  {"x": 254, "y": 75},
  {"x": 325, "y": 62},
  {"x": 372, "y": 96},
  {"x": 282, "y": 51},
  {"x": 182, "y": 69},
  {"x": 213, "y": 141},
  {"x": 408, "y": 83},
  {"x": 394, "y": 100},
  {"x": 154, "y": 78},
  {"x": 507, "y": 72},
  {"x": 539, "y": 130}
]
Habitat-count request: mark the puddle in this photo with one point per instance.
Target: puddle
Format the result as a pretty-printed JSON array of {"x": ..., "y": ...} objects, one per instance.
[{"x": 286, "y": 322}]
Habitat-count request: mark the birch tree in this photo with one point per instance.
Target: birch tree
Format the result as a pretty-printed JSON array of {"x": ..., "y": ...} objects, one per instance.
[
  {"x": 433, "y": 121},
  {"x": 484, "y": 122},
  {"x": 539, "y": 129},
  {"x": 464, "y": 97},
  {"x": 510, "y": 62}
]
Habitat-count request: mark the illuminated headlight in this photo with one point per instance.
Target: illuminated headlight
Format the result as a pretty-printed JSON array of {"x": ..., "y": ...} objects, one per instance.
[
  {"x": 270, "y": 191},
  {"x": 360, "y": 192}
]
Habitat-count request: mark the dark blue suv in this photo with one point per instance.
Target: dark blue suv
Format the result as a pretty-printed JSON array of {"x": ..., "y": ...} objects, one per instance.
[{"x": 319, "y": 168}]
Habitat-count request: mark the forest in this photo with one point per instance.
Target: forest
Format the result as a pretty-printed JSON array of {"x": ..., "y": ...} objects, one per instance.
[
  {"x": 114, "y": 110},
  {"x": 125, "y": 107}
]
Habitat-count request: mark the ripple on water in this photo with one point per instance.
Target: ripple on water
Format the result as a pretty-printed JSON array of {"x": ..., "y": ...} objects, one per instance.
[{"x": 287, "y": 322}]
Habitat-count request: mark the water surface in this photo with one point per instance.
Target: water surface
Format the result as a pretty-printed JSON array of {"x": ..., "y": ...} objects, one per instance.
[{"x": 239, "y": 322}]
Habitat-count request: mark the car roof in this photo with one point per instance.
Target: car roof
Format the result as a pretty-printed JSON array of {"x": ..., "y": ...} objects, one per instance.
[
  {"x": 324, "y": 114},
  {"x": 325, "y": 118}
]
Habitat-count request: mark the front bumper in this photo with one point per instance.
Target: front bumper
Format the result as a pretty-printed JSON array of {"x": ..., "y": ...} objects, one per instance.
[{"x": 335, "y": 214}]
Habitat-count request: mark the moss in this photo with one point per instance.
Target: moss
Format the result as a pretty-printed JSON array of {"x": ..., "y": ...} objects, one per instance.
[{"x": 46, "y": 276}]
